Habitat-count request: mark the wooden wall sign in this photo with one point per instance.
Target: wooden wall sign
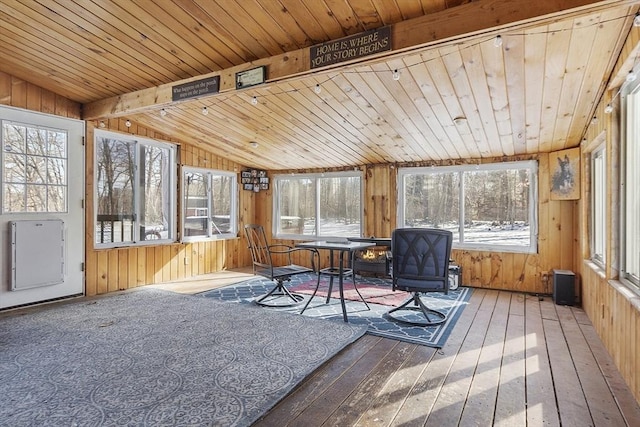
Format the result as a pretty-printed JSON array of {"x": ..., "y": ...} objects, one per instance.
[
  {"x": 196, "y": 88},
  {"x": 352, "y": 47},
  {"x": 252, "y": 77}
]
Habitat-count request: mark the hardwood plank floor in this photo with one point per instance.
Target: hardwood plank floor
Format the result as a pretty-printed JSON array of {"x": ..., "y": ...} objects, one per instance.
[{"x": 512, "y": 360}]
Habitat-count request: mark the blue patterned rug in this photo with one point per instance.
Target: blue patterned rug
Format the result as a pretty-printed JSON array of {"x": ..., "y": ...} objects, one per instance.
[
  {"x": 155, "y": 358},
  {"x": 432, "y": 336}
]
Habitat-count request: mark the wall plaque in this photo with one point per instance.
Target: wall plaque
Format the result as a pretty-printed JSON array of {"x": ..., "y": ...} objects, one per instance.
[
  {"x": 196, "y": 88},
  {"x": 352, "y": 47},
  {"x": 252, "y": 77}
]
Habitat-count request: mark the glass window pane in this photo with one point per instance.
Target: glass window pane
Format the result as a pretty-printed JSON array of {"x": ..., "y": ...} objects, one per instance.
[
  {"x": 56, "y": 198},
  {"x": 56, "y": 173},
  {"x": 221, "y": 203},
  {"x": 599, "y": 207},
  {"x": 15, "y": 137},
  {"x": 36, "y": 198},
  {"x": 14, "y": 198},
  {"x": 36, "y": 168},
  {"x": 154, "y": 220},
  {"x": 114, "y": 190},
  {"x": 631, "y": 160},
  {"x": 14, "y": 167},
  {"x": 296, "y": 205},
  {"x": 340, "y": 206},
  {"x": 57, "y": 144},
  {"x": 496, "y": 210},
  {"x": 496, "y": 207},
  {"x": 432, "y": 200},
  {"x": 36, "y": 141},
  {"x": 196, "y": 202}
]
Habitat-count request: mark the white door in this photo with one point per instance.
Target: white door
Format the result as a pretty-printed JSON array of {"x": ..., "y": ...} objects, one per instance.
[{"x": 41, "y": 207}]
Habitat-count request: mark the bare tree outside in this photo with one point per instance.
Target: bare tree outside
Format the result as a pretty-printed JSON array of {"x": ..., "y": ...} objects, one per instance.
[
  {"x": 35, "y": 169},
  {"x": 326, "y": 206},
  {"x": 133, "y": 189},
  {"x": 495, "y": 210}
]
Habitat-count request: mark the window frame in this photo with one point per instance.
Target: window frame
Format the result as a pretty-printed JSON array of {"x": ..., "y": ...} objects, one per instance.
[
  {"x": 598, "y": 207},
  {"x": 234, "y": 196},
  {"x": 629, "y": 165},
  {"x": 530, "y": 165},
  {"x": 137, "y": 142},
  {"x": 277, "y": 179}
]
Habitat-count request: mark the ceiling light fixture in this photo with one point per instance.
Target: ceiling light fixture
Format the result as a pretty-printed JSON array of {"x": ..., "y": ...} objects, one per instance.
[
  {"x": 636, "y": 20},
  {"x": 205, "y": 111},
  {"x": 128, "y": 123},
  {"x": 460, "y": 120},
  {"x": 497, "y": 42},
  {"x": 631, "y": 76},
  {"x": 254, "y": 144},
  {"x": 163, "y": 112},
  {"x": 396, "y": 75},
  {"x": 608, "y": 109},
  {"x": 317, "y": 89},
  {"x": 101, "y": 124},
  {"x": 254, "y": 100}
]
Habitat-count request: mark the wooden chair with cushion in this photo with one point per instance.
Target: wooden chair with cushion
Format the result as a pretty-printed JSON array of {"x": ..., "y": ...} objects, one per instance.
[
  {"x": 265, "y": 259},
  {"x": 420, "y": 263}
]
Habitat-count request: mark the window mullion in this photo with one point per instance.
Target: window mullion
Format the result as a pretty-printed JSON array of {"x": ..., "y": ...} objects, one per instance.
[
  {"x": 317, "y": 203},
  {"x": 461, "y": 214},
  {"x": 209, "y": 191}
]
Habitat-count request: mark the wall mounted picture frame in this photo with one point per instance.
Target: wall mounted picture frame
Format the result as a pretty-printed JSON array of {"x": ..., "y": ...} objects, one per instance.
[
  {"x": 564, "y": 173},
  {"x": 254, "y": 180}
]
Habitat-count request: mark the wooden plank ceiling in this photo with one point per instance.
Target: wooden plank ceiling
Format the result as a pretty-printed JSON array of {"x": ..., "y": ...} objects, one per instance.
[{"x": 458, "y": 97}]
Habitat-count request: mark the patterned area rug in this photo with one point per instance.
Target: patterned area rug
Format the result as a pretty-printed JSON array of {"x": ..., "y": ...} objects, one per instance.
[
  {"x": 155, "y": 358},
  {"x": 375, "y": 290}
]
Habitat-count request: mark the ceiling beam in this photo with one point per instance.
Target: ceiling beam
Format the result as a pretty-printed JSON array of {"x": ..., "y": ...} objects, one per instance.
[{"x": 478, "y": 17}]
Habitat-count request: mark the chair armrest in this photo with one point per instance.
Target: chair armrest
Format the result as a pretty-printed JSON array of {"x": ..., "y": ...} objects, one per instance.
[{"x": 282, "y": 249}]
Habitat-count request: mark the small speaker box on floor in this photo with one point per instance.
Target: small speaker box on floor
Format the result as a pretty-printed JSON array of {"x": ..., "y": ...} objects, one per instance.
[{"x": 564, "y": 287}]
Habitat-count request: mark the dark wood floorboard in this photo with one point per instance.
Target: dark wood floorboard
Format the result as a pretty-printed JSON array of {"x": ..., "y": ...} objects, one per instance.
[{"x": 511, "y": 360}]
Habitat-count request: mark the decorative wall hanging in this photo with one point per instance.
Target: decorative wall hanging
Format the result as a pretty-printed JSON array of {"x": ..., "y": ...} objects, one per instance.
[
  {"x": 254, "y": 180},
  {"x": 565, "y": 174}
]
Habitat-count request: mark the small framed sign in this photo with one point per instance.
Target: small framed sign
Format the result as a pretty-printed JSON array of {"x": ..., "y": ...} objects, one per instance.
[{"x": 252, "y": 77}]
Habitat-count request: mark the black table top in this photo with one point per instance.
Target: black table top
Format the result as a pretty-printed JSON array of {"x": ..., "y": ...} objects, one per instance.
[
  {"x": 339, "y": 245},
  {"x": 378, "y": 241}
]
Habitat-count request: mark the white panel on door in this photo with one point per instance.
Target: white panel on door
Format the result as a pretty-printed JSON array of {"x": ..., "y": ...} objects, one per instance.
[{"x": 37, "y": 253}]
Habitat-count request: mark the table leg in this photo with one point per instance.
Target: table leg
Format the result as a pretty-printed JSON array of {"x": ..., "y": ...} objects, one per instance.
[{"x": 341, "y": 285}]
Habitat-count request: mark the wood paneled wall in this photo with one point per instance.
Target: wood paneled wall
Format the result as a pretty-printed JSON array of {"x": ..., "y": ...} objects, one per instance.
[
  {"x": 523, "y": 272},
  {"x": 18, "y": 93},
  {"x": 612, "y": 306}
]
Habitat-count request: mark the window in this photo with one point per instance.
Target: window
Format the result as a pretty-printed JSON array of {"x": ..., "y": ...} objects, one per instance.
[
  {"x": 210, "y": 204},
  {"x": 34, "y": 161},
  {"x": 490, "y": 206},
  {"x": 598, "y": 206},
  {"x": 135, "y": 198},
  {"x": 630, "y": 165},
  {"x": 318, "y": 205}
]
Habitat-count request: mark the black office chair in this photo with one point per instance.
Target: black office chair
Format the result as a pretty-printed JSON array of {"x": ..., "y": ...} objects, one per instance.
[
  {"x": 420, "y": 263},
  {"x": 263, "y": 254}
]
